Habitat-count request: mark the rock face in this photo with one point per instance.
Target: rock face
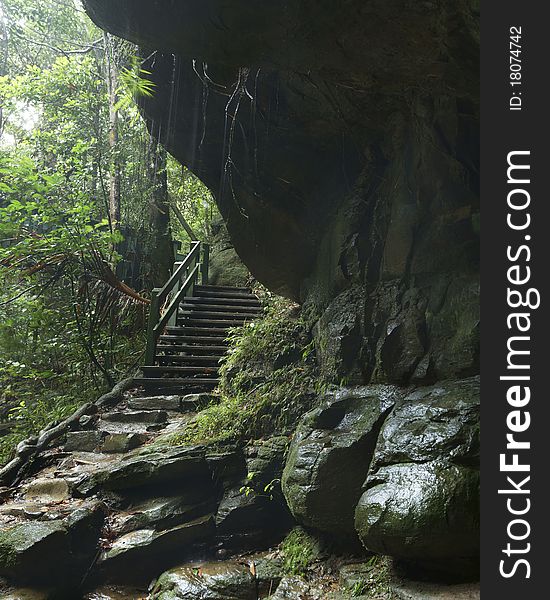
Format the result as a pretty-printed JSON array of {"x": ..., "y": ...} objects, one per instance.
[
  {"x": 421, "y": 502},
  {"x": 330, "y": 455},
  {"x": 340, "y": 141},
  {"x": 226, "y": 268}
]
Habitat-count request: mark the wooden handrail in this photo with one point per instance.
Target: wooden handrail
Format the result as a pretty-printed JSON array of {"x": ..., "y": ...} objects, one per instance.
[
  {"x": 182, "y": 221},
  {"x": 179, "y": 271},
  {"x": 183, "y": 279},
  {"x": 159, "y": 327}
]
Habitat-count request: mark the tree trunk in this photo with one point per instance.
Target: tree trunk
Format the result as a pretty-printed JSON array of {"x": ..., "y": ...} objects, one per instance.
[
  {"x": 161, "y": 247},
  {"x": 114, "y": 174}
]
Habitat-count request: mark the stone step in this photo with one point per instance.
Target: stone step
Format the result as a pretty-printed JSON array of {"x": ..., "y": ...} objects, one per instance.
[
  {"x": 173, "y": 403},
  {"x": 152, "y": 403},
  {"x": 171, "y": 384},
  {"x": 110, "y": 438},
  {"x": 136, "y": 416},
  {"x": 120, "y": 442}
]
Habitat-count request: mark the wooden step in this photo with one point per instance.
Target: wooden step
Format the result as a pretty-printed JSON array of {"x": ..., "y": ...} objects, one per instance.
[
  {"x": 205, "y": 361},
  {"x": 215, "y": 316},
  {"x": 194, "y": 350},
  {"x": 223, "y": 288},
  {"x": 197, "y": 370},
  {"x": 252, "y": 302},
  {"x": 192, "y": 322},
  {"x": 223, "y": 308},
  {"x": 201, "y": 331},
  {"x": 183, "y": 339},
  {"x": 227, "y": 296}
]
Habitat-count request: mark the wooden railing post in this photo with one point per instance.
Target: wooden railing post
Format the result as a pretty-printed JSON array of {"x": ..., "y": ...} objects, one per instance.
[
  {"x": 205, "y": 265},
  {"x": 180, "y": 284},
  {"x": 174, "y": 317},
  {"x": 154, "y": 316}
]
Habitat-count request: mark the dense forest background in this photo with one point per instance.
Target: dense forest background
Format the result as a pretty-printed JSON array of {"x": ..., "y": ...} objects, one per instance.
[{"x": 86, "y": 196}]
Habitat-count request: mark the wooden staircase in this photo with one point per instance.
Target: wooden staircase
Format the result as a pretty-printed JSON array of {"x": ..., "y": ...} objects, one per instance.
[{"x": 186, "y": 343}]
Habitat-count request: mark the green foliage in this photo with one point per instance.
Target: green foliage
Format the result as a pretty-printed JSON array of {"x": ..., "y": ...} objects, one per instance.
[
  {"x": 135, "y": 82},
  {"x": 300, "y": 550},
  {"x": 193, "y": 199},
  {"x": 376, "y": 581},
  {"x": 66, "y": 327},
  {"x": 268, "y": 380},
  {"x": 30, "y": 399}
]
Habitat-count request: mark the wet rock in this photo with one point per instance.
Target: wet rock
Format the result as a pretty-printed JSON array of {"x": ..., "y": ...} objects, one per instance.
[
  {"x": 420, "y": 590},
  {"x": 51, "y": 552},
  {"x": 142, "y": 468},
  {"x": 116, "y": 592},
  {"x": 252, "y": 512},
  {"x": 137, "y": 416},
  {"x": 47, "y": 490},
  {"x": 251, "y": 520},
  {"x": 166, "y": 403},
  {"x": 338, "y": 336},
  {"x": 354, "y": 574},
  {"x": 421, "y": 502},
  {"x": 160, "y": 513},
  {"x": 83, "y": 441},
  {"x": 330, "y": 456},
  {"x": 294, "y": 588},
  {"x": 196, "y": 402},
  {"x": 123, "y": 442},
  {"x": 147, "y": 550},
  {"x": 269, "y": 572},
  {"x": 228, "y": 468},
  {"x": 228, "y": 580},
  {"x": 10, "y": 593},
  {"x": 266, "y": 459},
  {"x": 424, "y": 513},
  {"x": 226, "y": 268}
]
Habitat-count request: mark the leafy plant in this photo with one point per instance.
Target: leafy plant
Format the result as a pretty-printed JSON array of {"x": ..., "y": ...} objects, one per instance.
[
  {"x": 267, "y": 381},
  {"x": 300, "y": 550}
]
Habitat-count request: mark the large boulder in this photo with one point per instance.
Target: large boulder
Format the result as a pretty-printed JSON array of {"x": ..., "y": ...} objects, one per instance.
[
  {"x": 330, "y": 456},
  {"x": 421, "y": 498},
  {"x": 59, "y": 551}
]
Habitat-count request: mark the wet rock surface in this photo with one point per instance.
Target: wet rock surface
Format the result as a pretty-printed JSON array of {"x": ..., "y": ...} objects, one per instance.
[
  {"x": 51, "y": 551},
  {"x": 124, "y": 514},
  {"x": 330, "y": 455},
  {"x": 228, "y": 580},
  {"x": 416, "y": 590},
  {"x": 395, "y": 466},
  {"x": 421, "y": 501}
]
